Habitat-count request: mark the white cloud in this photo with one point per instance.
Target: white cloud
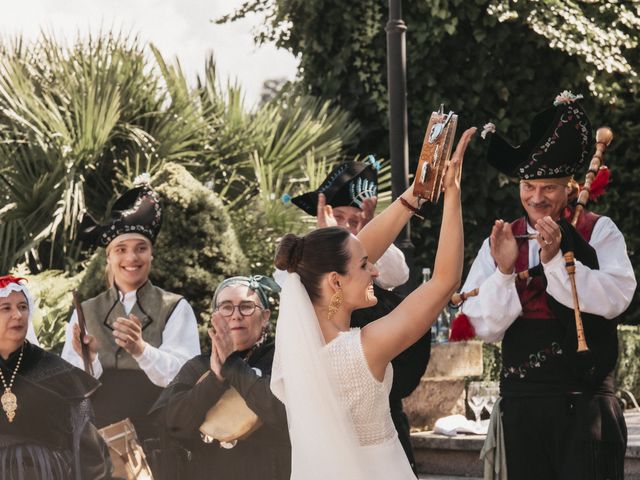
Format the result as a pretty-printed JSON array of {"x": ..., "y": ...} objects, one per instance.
[{"x": 179, "y": 28}]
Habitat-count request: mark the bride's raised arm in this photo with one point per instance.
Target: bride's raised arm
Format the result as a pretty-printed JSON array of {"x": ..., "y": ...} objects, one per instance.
[
  {"x": 386, "y": 337},
  {"x": 383, "y": 229}
]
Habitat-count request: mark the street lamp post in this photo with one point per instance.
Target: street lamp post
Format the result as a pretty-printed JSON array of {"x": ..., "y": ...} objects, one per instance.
[{"x": 398, "y": 122}]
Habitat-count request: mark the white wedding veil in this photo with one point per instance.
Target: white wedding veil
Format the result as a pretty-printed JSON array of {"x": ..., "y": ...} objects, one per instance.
[{"x": 323, "y": 439}]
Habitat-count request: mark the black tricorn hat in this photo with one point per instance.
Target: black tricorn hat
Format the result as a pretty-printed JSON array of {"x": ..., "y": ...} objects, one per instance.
[
  {"x": 137, "y": 211},
  {"x": 559, "y": 142},
  {"x": 348, "y": 184}
]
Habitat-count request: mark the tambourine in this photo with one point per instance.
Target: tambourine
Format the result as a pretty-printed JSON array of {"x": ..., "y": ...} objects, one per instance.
[
  {"x": 229, "y": 420},
  {"x": 436, "y": 151}
]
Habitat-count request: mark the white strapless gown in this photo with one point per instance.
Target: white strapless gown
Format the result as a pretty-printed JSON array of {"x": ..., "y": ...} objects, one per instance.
[{"x": 367, "y": 401}]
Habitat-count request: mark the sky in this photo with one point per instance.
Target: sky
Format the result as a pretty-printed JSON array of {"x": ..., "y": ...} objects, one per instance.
[{"x": 179, "y": 28}]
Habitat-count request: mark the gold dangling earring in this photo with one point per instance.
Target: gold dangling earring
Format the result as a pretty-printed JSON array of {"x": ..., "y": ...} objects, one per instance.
[{"x": 335, "y": 304}]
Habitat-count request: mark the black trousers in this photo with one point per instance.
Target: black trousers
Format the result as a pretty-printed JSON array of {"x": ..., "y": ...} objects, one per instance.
[{"x": 564, "y": 437}]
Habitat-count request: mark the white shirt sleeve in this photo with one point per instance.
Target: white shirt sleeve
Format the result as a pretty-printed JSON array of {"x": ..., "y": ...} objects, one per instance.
[
  {"x": 393, "y": 268},
  {"x": 71, "y": 356},
  {"x": 607, "y": 291},
  {"x": 498, "y": 305},
  {"x": 180, "y": 342}
]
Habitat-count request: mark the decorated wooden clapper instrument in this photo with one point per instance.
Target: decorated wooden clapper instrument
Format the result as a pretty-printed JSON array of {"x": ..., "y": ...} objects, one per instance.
[{"x": 436, "y": 151}]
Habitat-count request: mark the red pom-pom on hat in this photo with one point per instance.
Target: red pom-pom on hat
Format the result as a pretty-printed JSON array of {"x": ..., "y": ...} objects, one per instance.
[
  {"x": 461, "y": 329},
  {"x": 599, "y": 184},
  {"x": 7, "y": 279}
]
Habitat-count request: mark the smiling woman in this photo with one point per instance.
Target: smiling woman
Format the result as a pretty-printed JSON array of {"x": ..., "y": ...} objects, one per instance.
[
  {"x": 240, "y": 361},
  {"x": 45, "y": 424},
  {"x": 137, "y": 335},
  {"x": 129, "y": 261},
  {"x": 335, "y": 380}
]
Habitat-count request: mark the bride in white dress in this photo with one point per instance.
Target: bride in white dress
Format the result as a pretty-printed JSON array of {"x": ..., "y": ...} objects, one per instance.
[{"x": 333, "y": 380}]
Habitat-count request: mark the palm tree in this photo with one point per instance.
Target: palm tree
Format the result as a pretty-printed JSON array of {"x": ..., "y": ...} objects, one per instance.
[{"x": 76, "y": 124}]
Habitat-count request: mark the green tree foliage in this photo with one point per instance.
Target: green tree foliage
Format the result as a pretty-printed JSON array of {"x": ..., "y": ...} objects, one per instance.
[
  {"x": 78, "y": 123},
  {"x": 628, "y": 369},
  {"x": 296, "y": 141},
  {"x": 197, "y": 247},
  {"x": 488, "y": 60},
  {"x": 52, "y": 291}
]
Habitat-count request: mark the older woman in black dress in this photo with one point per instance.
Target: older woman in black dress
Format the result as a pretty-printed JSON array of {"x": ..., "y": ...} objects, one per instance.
[
  {"x": 241, "y": 357},
  {"x": 45, "y": 426}
]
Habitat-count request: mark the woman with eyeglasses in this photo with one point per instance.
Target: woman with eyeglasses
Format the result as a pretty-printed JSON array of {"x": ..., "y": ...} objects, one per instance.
[{"x": 240, "y": 361}]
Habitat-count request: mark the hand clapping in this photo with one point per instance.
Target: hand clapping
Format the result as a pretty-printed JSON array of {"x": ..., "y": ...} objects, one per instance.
[
  {"x": 549, "y": 238},
  {"x": 504, "y": 248},
  {"x": 128, "y": 334},
  {"x": 221, "y": 344}
]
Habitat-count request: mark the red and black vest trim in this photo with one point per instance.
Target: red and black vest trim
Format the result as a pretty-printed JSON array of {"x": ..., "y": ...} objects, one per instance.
[{"x": 532, "y": 292}]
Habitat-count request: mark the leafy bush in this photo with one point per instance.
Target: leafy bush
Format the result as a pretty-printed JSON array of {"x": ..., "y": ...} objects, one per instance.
[
  {"x": 197, "y": 246},
  {"x": 52, "y": 291},
  {"x": 628, "y": 369}
]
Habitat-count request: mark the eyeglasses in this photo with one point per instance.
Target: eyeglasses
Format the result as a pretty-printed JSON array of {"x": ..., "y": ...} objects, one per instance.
[{"x": 245, "y": 308}]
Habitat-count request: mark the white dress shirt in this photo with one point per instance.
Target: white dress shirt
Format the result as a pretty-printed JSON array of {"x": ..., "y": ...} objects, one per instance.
[
  {"x": 606, "y": 292},
  {"x": 180, "y": 342},
  {"x": 393, "y": 268}
]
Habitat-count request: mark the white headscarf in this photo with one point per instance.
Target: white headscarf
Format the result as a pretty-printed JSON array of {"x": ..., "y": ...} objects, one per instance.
[{"x": 15, "y": 284}]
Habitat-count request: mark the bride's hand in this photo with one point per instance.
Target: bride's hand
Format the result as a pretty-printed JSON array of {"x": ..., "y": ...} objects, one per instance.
[{"x": 453, "y": 171}]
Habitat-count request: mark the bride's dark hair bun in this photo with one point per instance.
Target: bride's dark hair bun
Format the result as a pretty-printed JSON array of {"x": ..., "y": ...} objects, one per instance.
[
  {"x": 289, "y": 253},
  {"x": 320, "y": 251}
]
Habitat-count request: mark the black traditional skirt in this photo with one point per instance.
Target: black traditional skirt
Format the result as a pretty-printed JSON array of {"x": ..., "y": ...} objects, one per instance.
[{"x": 31, "y": 461}]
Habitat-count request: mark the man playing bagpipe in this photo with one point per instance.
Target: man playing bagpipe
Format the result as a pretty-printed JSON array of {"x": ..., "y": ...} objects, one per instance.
[{"x": 559, "y": 416}]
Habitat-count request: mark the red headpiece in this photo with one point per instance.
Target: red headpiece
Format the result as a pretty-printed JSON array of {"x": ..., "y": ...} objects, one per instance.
[{"x": 7, "y": 279}]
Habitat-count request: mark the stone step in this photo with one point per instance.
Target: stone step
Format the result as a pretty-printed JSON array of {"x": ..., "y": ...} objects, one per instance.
[{"x": 458, "y": 457}]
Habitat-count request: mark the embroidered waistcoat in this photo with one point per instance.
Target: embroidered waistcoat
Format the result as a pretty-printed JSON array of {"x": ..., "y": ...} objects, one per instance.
[
  {"x": 153, "y": 308},
  {"x": 538, "y": 349},
  {"x": 533, "y": 296}
]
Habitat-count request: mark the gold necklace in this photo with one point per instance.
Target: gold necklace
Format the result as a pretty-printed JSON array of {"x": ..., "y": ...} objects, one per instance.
[{"x": 8, "y": 399}]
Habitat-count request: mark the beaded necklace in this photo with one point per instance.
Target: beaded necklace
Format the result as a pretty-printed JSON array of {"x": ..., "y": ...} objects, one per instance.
[{"x": 9, "y": 400}]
